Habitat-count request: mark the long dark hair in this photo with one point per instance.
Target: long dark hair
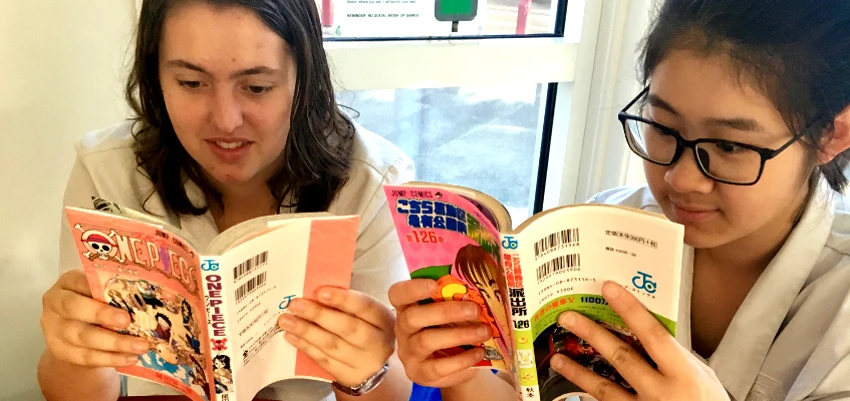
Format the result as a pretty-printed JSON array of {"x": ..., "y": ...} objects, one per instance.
[
  {"x": 796, "y": 52},
  {"x": 318, "y": 149}
]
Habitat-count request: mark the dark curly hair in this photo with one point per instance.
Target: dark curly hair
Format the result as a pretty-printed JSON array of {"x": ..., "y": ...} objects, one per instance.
[{"x": 318, "y": 150}]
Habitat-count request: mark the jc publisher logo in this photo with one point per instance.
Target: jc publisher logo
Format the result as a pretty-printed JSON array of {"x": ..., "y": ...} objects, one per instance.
[
  {"x": 509, "y": 242},
  {"x": 642, "y": 282},
  {"x": 285, "y": 303},
  {"x": 209, "y": 265}
]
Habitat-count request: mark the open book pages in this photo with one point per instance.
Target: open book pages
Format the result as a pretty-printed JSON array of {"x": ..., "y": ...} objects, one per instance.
[
  {"x": 210, "y": 314},
  {"x": 522, "y": 279}
]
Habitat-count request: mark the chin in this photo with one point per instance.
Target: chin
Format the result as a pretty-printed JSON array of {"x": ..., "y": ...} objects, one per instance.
[
  {"x": 232, "y": 177},
  {"x": 699, "y": 237}
]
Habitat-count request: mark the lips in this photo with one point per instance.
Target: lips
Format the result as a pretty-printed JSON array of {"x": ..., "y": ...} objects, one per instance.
[
  {"x": 227, "y": 142},
  {"x": 685, "y": 213},
  {"x": 229, "y": 150},
  {"x": 692, "y": 209}
]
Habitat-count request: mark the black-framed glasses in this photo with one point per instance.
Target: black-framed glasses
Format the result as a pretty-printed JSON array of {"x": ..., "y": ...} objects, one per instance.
[{"x": 724, "y": 161}]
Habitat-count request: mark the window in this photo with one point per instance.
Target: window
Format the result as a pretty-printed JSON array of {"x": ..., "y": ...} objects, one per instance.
[
  {"x": 458, "y": 101},
  {"x": 480, "y": 137},
  {"x": 416, "y": 18},
  {"x": 634, "y": 171},
  {"x": 586, "y": 63}
]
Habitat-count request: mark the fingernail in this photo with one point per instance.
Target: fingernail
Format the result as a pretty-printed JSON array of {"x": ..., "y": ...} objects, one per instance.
[
  {"x": 470, "y": 311},
  {"x": 131, "y": 360},
  {"x": 141, "y": 346},
  {"x": 568, "y": 320},
  {"x": 293, "y": 339},
  {"x": 483, "y": 332},
  {"x": 611, "y": 290},
  {"x": 286, "y": 322},
  {"x": 296, "y": 306},
  {"x": 121, "y": 319},
  {"x": 557, "y": 361},
  {"x": 325, "y": 295}
]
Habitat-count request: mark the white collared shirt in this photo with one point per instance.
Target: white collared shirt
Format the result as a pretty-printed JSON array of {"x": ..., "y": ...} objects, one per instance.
[
  {"x": 106, "y": 167},
  {"x": 790, "y": 338}
]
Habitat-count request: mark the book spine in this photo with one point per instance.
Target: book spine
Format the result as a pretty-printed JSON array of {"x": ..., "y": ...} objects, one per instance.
[
  {"x": 525, "y": 370},
  {"x": 221, "y": 339}
]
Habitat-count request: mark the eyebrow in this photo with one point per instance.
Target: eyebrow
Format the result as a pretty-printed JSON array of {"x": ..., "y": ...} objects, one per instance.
[
  {"x": 260, "y": 69},
  {"x": 739, "y": 124}
]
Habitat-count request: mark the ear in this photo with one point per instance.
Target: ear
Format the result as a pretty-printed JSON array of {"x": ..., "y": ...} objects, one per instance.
[{"x": 838, "y": 140}]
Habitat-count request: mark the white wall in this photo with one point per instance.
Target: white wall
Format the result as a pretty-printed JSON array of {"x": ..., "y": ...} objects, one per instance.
[{"x": 61, "y": 64}]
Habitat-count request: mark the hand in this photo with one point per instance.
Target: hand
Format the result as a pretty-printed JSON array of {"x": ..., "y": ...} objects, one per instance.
[
  {"x": 418, "y": 339},
  {"x": 71, "y": 322},
  {"x": 348, "y": 333},
  {"x": 680, "y": 375}
]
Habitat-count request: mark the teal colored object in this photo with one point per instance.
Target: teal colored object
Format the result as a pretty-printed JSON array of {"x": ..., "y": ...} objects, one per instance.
[
  {"x": 455, "y": 10},
  {"x": 456, "y": 6}
]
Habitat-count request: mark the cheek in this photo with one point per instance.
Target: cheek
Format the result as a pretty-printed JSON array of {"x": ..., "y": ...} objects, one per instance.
[
  {"x": 185, "y": 112},
  {"x": 653, "y": 172},
  {"x": 271, "y": 119},
  {"x": 655, "y": 178},
  {"x": 748, "y": 209},
  {"x": 778, "y": 188}
]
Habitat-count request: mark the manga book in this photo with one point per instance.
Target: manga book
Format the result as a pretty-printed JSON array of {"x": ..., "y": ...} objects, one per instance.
[
  {"x": 523, "y": 278},
  {"x": 210, "y": 315}
]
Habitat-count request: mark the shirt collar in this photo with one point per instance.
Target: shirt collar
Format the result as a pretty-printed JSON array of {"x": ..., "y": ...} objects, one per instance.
[{"x": 744, "y": 347}]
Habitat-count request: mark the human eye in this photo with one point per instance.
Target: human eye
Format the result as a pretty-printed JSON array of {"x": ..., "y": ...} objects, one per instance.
[
  {"x": 656, "y": 128},
  {"x": 189, "y": 84},
  {"x": 729, "y": 147},
  {"x": 259, "y": 89}
]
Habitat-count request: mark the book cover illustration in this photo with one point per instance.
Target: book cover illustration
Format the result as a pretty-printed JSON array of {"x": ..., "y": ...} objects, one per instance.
[
  {"x": 556, "y": 261},
  {"x": 122, "y": 259},
  {"x": 446, "y": 238}
]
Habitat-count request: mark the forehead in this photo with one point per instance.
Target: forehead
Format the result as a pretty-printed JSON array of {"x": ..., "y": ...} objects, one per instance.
[
  {"x": 707, "y": 86},
  {"x": 220, "y": 37}
]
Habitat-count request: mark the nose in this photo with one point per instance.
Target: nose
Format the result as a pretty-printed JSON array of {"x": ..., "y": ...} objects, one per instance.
[
  {"x": 685, "y": 176},
  {"x": 225, "y": 110}
]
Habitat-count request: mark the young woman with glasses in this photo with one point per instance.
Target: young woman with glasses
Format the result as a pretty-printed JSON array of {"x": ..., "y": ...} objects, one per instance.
[{"x": 744, "y": 127}]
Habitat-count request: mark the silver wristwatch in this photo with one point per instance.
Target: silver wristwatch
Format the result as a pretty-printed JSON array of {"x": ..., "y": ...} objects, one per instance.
[{"x": 368, "y": 385}]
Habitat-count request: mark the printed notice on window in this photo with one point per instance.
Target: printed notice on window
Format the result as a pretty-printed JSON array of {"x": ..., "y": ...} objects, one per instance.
[{"x": 392, "y": 18}]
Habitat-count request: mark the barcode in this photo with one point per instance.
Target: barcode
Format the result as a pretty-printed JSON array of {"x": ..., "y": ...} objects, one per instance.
[
  {"x": 245, "y": 267},
  {"x": 568, "y": 236},
  {"x": 250, "y": 286},
  {"x": 555, "y": 265}
]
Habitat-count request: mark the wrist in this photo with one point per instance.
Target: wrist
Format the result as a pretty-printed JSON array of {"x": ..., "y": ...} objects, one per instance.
[
  {"x": 474, "y": 381},
  {"x": 367, "y": 385},
  {"x": 60, "y": 380}
]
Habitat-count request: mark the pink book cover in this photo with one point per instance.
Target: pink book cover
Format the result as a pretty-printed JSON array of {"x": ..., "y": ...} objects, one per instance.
[
  {"x": 447, "y": 238},
  {"x": 154, "y": 276},
  {"x": 332, "y": 243}
]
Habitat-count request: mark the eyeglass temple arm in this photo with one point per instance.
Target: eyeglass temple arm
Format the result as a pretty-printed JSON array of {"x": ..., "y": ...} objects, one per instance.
[{"x": 632, "y": 103}]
